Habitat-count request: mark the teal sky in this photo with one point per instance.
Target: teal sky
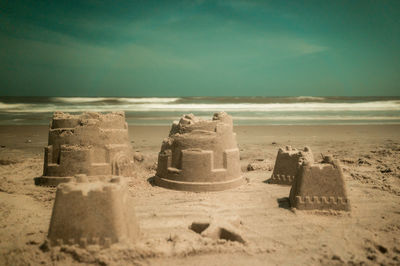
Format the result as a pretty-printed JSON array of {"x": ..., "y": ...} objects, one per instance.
[{"x": 200, "y": 48}]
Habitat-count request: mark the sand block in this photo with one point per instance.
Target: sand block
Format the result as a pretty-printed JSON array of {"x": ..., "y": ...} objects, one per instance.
[
  {"x": 220, "y": 228},
  {"x": 89, "y": 143},
  {"x": 287, "y": 164},
  {"x": 93, "y": 213},
  {"x": 320, "y": 186},
  {"x": 200, "y": 155}
]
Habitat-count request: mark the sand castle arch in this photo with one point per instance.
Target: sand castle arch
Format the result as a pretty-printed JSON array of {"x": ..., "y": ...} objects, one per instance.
[{"x": 121, "y": 165}]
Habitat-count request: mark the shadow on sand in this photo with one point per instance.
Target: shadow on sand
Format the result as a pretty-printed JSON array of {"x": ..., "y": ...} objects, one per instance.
[
  {"x": 267, "y": 181},
  {"x": 284, "y": 203},
  {"x": 151, "y": 181}
]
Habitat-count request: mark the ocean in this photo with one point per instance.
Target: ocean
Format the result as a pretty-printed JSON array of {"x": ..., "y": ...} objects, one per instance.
[{"x": 302, "y": 110}]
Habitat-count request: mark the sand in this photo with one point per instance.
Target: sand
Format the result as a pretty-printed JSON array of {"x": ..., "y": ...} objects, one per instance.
[{"x": 259, "y": 212}]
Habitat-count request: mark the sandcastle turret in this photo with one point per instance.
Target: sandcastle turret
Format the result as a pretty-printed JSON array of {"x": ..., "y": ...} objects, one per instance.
[
  {"x": 93, "y": 213},
  {"x": 90, "y": 143},
  {"x": 319, "y": 186},
  {"x": 200, "y": 155},
  {"x": 287, "y": 164}
]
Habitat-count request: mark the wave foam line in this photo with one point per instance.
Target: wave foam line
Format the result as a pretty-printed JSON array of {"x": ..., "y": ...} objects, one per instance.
[
  {"x": 105, "y": 99},
  {"x": 149, "y": 100},
  {"x": 308, "y": 98},
  {"x": 282, "y": 118},
  {"x": 79, "y": 99},
  {"x": 305, "y": 118},
  {"x": 240, "y": 107},
  {"x": 275, "y": 107}
]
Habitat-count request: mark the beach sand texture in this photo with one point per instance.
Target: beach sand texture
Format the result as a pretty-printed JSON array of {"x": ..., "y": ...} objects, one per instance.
[{"x": 257, "y": 212}]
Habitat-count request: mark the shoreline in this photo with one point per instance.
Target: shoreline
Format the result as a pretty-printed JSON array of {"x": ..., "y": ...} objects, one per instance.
[{"x": 34, "y": 138}]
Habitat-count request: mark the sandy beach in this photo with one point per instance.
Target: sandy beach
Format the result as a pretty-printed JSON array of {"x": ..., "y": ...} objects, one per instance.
[
  {"x": 274, "y": 234},
  {"x": 238, "y": 132}
]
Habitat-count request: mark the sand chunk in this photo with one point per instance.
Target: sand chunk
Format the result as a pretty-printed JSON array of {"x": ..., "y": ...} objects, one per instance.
[{"x": 219, "y": 228}]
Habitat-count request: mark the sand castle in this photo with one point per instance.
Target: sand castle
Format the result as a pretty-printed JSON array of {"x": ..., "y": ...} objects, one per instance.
[
  {"x": 319, "y": 186},
  {"x": 87, "y": 213},
  {"x": 89, "y": 143},
  {"x": 200, "y": 155},
  {"x": 287, "y": 164}
]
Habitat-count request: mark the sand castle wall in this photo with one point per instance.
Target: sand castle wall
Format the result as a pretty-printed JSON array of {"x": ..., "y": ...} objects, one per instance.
[
  {"x": 320, "y": 186},
  {"x": 89, "y": 143},
  {"x": 200, "y": 155},
  {"x": 287, "y": 164},
  {"x": 97, "y": 213}
]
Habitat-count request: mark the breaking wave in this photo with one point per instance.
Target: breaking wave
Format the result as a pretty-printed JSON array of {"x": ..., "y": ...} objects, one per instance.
[
  {"x": 142, "y": 106},
  {"x": 310, "y": 98},
  {"x": 112, "y": 99},
  {"x": 268, "y": 110}
]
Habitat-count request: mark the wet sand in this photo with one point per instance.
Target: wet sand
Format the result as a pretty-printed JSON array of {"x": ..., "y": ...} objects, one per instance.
[{"x": 275, "y": 234}]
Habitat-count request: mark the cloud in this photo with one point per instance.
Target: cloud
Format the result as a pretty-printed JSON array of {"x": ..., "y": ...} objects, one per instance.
[
  {"x": 306, "y": 48},
  {"x": 301, "y": 46},
  {"x": 195, "y": 41}
]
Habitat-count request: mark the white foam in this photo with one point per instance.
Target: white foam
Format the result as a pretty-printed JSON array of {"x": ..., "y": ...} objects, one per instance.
[
  {"x": 278, "y": 107},
  {"x": 14, "y": 106},
  {"x": 149, "y": 100},
  {"x": 310, "y": 98},
  {"x": 79, "y": 99},
  {"x": 310, "y": 118},
  {"x": 101, "y": 99},
  {"x": 165, "y": 105}
]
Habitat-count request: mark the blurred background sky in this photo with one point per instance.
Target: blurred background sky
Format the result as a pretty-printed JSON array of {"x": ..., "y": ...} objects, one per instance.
[{"x": 199, "y": 48}]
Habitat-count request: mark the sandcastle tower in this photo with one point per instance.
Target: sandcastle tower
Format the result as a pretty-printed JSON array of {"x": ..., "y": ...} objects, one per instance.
[
  {"x": 287, "y": 164},
  {"x": 95, "y": 213},
  {"x": 89, "y": 143},
  {"x": 200, "y": 155},
  {"x": 319, "y": 186}
]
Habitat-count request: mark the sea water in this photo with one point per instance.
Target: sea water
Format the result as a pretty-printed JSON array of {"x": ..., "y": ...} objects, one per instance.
[{"x": 302, "y": 110}]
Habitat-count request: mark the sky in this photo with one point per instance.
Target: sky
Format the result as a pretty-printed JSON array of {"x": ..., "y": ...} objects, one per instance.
[{"x": 199, "y": 48}]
